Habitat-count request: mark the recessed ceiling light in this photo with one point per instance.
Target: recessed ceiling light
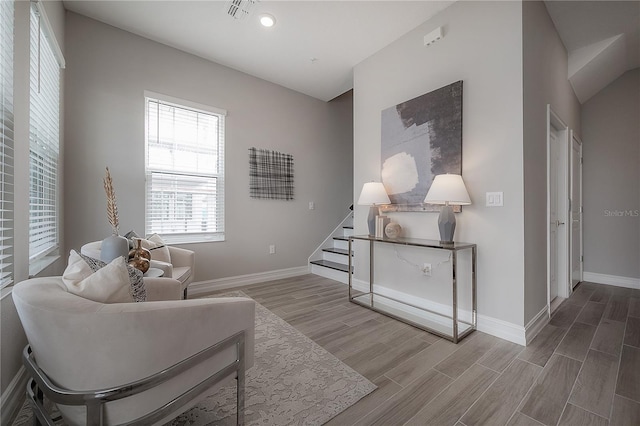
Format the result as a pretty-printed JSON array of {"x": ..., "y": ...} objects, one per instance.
[{"x": 267, "y": 20}]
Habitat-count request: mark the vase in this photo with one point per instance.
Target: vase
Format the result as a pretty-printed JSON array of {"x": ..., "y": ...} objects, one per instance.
[
  {"x": 139, "y": 257},
  {"x": 140, "y": 263},
  {"x": 138, "y": 250},
  {"x": 112, "y": 247}
]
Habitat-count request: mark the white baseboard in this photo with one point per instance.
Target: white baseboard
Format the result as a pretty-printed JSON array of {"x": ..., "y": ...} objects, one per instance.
[
  {"x": 496, "y": 327},
  {"x": 536, "y": 324},
  {"x": 12, "y": 398},
  {"x": 502, "y": 329},
  {"x": 611, "y": 280},
  {"x": 202, "y": 287}
]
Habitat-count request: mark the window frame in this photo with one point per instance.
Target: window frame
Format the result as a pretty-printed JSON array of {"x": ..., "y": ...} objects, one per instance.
[
  {"x": 187, "y": 237},
  {"x": 46, "y": 37},
  {"x": 7, "y": 146}
]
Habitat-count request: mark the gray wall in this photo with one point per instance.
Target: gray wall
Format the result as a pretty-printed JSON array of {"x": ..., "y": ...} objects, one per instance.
[
  {"x": 544, "y": 82},
  {"x": 482, "y": 46},
  {"x": 611, "y": 176},
  {"x": 12, "y": 336},
  {"x": 107, "y": 72}
]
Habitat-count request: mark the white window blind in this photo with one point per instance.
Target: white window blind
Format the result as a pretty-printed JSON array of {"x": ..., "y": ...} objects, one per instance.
[
  {"x": 44, "y": 134},
  {"x": 6, "y": 149},
  {"x": 184, "y": 171}
]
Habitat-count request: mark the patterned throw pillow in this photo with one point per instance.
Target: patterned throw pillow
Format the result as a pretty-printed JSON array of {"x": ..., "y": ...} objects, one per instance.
[
  {"x": 108, "y": 284},
  {"x": 138, "y": 290}
]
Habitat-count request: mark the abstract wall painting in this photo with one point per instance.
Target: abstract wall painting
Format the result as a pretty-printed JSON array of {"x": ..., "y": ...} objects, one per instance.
[
  {"x": 421, "y": 138},
  {"x": 270, "y": 175}
]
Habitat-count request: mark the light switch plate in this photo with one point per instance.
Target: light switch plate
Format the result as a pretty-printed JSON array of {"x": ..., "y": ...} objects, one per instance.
[{"x": 495, "y": 199}]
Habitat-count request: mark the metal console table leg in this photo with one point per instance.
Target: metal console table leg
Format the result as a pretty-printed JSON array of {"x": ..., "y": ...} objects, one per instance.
[{"x": 376, "y": 302}]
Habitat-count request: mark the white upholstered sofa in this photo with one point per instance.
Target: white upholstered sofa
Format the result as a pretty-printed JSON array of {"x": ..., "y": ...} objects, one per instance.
[
  {"x": 84, "y": 346},
  {"x": 181, "y": 267}
]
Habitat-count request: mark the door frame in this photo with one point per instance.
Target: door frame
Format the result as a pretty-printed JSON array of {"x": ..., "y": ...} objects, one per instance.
[
  {"x": 563, "y": 273},
  {"x": 574, "y": 137}
]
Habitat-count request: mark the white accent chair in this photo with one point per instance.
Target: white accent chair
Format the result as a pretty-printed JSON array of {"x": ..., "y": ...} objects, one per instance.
[
  {"x": 181, "y": 267},
  {"x": 133, "y": 363}
]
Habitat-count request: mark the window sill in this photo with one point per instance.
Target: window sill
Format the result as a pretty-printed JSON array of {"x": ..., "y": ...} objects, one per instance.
[
  {"x": 40, "y": 265},
  {"x": 5, "y": 291},
  {"x": 178, "y": 240}
]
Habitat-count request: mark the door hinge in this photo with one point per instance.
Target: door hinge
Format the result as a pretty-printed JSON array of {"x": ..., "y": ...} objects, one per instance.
[{"x": 581, "y": 258}]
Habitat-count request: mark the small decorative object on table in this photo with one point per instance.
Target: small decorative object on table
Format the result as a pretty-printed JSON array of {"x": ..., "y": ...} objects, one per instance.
[
  {"x": 381, "y": 224},
  {"x": 393, "y": 230},
  {"x": 115, "y": 245},
  {"x": 139, "y": 257}
]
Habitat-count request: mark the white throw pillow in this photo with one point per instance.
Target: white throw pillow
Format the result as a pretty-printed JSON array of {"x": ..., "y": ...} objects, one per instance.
[
  {"x": 77, "y": 269},
  {"x": 107, "y": 285},
  {"x": 157, "y": 247}
]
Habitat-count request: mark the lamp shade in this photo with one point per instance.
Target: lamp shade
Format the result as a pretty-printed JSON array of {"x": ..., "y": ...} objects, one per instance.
[
  {"x": 373, "y": 193},
  {"x": 448, "y": 189}
]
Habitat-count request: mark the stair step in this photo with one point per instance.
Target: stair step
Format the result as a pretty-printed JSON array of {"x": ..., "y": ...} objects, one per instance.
[
  {"x": 332, "y": 265},
  {"x": 337, "y": 251},
  {"x": 341, "y": 242}
]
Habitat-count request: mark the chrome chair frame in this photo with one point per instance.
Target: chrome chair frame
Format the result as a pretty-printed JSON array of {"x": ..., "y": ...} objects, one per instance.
[{"x": 40, "y": 385}]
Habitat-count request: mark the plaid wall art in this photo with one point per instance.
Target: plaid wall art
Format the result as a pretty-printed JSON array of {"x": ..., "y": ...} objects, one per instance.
[{"x": 270, "y": 174}]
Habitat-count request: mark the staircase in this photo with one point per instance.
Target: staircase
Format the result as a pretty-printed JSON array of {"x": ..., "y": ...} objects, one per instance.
[{"x": 331, "y": 259}]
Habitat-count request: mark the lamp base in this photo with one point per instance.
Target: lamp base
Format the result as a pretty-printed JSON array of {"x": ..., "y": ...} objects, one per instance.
[
  {"x": 446, "y": 224},
  {"x": 371, "y": 219}
]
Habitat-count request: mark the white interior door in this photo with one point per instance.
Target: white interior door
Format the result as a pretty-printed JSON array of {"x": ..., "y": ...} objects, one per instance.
[
  {"x": 554, "y": 160},
  {"x": 576, "y": 211},
  {"x": 558, "y": 244}
]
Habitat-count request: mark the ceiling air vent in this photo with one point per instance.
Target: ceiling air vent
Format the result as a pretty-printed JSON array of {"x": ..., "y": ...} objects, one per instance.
[{"x": 240, "y": 9}]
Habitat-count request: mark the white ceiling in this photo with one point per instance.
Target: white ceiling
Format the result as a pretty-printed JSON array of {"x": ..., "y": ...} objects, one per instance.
[
  {"x": 315, "y": 44},
  {"x": 602, "y": 39},
  {"x": 338, "y": 34}
]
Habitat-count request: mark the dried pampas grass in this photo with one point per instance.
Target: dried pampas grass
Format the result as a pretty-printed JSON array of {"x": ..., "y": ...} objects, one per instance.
[{"x": 112, "y": 205}]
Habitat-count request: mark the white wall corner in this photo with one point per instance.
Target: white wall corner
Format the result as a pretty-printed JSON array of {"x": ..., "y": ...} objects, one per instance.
[
  {"x": 13, "y": 397},
  {"x": 627, "y": 282},
  {"x": 536, "y": 324},
  {"x": 203, "y": 287}
]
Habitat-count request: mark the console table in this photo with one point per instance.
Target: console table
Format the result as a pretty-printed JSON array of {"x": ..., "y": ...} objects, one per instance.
[{"x": 457, "y": 329}]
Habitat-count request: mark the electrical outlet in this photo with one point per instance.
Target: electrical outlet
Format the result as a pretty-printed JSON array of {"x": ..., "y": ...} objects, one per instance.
[
  {"x": 426, "y": 269},
  {"x": 312, "y": 205},
  {"x": 272, "y": 249}
]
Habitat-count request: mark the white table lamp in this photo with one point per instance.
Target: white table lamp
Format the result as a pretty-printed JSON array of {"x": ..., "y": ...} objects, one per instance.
[
  {"x": 373, "y": 194},
  {"x": 448, "y": 190}
]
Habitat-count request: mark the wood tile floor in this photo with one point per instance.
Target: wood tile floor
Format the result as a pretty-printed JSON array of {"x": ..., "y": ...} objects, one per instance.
[{"x": 582, "y": 369}]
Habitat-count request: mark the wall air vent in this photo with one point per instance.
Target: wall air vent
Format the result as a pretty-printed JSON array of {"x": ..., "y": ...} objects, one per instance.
[{"x": 240, "y": 9}]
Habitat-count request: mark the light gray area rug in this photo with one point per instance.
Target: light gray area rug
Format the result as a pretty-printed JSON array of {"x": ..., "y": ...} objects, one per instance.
[{"x": 294, "y": 381}]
